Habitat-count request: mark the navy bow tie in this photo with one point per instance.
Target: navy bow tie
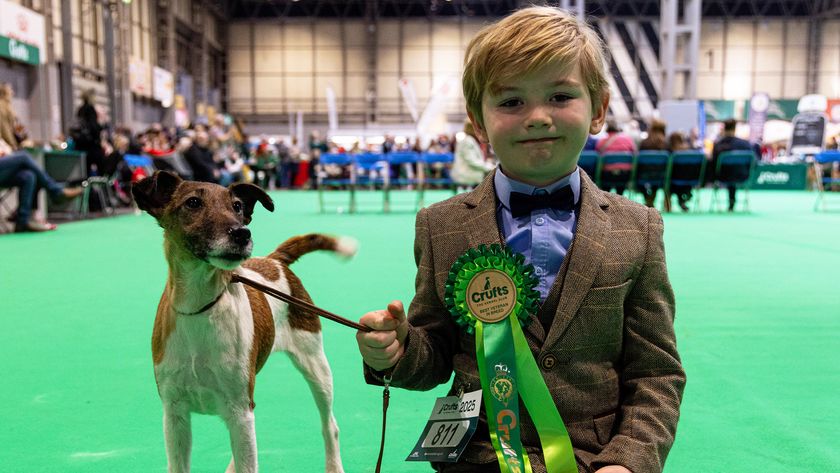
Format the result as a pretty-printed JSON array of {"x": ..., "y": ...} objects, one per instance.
[{"x": 523, "y": 204}]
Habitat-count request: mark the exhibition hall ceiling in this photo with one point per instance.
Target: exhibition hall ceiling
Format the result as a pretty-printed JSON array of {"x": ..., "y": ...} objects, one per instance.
[{"x": 495, "y": 8}]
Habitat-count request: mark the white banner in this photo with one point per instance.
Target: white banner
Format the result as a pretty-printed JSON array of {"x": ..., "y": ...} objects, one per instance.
[
  {"x": 304, "y": 146},
  {"x": 433, "y": 120},
  {"x": 164, "y": 87},
  {"x": 140, "y": 77},
  {"x": 332, "y": 110},
  {"x": 24, "y": 25},
  {"x": 409, "y": 96}
]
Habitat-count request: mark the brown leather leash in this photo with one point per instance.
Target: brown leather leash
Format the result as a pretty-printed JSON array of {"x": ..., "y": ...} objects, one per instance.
[
  {"x": 298, "y": 302},
  {"x": 386, "y": 397},
  {"x": 386, "y": 394}
]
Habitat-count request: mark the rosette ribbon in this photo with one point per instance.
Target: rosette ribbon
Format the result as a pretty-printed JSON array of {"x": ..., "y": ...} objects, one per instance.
[{"x": 491, "y": 293}]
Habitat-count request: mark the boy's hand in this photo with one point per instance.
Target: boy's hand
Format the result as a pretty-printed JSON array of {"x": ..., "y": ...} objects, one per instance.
[
  {"x": 613, "y": 469},
  {"x": 383, "y": 347}
]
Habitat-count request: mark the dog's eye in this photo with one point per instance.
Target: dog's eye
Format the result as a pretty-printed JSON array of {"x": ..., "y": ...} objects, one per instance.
[
  {"x": 237, "y": 207},
  {"x": 193, "y": 203}
]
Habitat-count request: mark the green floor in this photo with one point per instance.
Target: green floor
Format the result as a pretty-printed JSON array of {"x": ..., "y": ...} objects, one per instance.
[{"x": 758, "y": 326}]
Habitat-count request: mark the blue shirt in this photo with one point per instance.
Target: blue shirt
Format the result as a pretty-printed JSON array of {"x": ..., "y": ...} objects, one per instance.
[{"x": 544, "y": 237}]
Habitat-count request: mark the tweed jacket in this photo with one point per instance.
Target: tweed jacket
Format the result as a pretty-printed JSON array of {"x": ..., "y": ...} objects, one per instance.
[{"x": 609, "y": 357}]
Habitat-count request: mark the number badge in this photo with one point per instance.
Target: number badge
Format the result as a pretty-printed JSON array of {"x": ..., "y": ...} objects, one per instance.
[{"x": 449, "y": 429}]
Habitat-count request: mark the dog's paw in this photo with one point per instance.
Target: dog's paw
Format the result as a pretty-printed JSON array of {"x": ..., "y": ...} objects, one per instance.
[{"x": 346, "y": 246}]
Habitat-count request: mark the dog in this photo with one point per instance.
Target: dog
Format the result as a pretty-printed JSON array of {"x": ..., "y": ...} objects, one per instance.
[{"x": 212, "y": 336}]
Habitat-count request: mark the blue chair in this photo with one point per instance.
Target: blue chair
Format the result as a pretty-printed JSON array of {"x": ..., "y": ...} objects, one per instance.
[
  {"x": 734, "y": 169},
  {"x": 410, "y": 162},
  {"x": 441, "y": 162},
  {"x": 588, "y": 161},
  {"x": 650, "y": 171},
  {"x": 139, "y": 161},
  {"x": 686, "y": 173},
  {"x": 616, "y": 171},
  {"x": 405, "y": 159},
  {"x": 373, "y": 172},
  {"x": 826, "y": 174},
  {"x": 336, "y": 171}
]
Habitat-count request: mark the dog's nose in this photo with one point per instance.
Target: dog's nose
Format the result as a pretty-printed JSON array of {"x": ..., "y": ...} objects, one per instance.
[{"x": 240, "y": 235}]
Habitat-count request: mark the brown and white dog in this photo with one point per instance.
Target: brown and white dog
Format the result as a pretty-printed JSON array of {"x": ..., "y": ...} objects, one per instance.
[{"x": 211, "y": 336}]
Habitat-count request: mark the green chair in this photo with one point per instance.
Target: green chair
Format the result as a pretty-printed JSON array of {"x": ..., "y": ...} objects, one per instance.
[
  {"x": 734, "y": 169},
  {"x": 686, "y": 170},
  {"x": 826, "y": 162}
]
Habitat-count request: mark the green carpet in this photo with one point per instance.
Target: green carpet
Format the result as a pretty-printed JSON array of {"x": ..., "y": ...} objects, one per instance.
[{"x": 758, "y": 326}]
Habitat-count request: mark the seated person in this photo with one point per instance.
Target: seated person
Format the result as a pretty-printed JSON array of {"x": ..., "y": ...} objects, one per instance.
[
  {"x": 201, "y": 160},
  {"x": 678, "y": 142},
  {"x": 655, "y": 141},
  {"x": 18, "y": 169},
  {"x": 615, "y": 175}
]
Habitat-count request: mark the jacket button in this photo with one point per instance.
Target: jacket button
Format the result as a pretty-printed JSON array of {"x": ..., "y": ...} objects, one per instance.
[{"x": 548, "y": 361}]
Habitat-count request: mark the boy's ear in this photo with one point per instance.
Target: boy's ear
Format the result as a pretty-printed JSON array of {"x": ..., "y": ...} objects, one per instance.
[
  {"x": 479, "y": 128},
  {"x": 599, "y": 113}
]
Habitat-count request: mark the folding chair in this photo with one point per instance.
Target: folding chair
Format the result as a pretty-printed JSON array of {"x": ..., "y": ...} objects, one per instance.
[
  {"x": 410, "y": 161},
  {"x": 174, "y": 162},
  {"x": 7, "y": 209},
  {"x": 588, "y": 161},
  {"x": 336, "y": 171},
  {"x": 615, "y": 171},
  {"x": 650, "y": 170},
  {"x": 69, "y": 167},
  {"x": 444, "y": 162},
  {"x": 373, "y": 171},
  {"x": 734, "y": 168},
  {"x": 686, "y": 169},
  {"x": 104, "y": 194},
  {"x": 826, "y": 161}
]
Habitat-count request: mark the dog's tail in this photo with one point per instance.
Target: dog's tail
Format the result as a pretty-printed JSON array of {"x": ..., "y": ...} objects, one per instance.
[{"x": 292, "y": 249}]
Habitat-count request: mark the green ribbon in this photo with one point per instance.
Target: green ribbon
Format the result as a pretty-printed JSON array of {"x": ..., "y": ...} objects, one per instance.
[{"x": 506, "y": 366}]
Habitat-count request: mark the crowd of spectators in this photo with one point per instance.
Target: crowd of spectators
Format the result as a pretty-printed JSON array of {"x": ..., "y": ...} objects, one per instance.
[{"x": 218, "y": 150}]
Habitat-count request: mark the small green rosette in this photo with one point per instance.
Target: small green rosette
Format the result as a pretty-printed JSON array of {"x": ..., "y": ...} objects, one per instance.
[{"x": 491, "y": 293}]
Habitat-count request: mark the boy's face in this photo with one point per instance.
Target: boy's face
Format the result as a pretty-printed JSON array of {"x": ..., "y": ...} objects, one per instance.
[{"x": 538, "y": 123}]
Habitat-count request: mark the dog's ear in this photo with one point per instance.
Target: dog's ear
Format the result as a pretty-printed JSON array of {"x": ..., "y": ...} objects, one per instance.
[
  {"x": 153, "y": 193},
  {"x": 250, "y": 195}
]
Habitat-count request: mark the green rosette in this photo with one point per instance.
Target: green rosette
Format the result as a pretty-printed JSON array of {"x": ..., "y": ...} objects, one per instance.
[
  {"x": 490, "y": 292},
  {"x": 495, "y": 257}
]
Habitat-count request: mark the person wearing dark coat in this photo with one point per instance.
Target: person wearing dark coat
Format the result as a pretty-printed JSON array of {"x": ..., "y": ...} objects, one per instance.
[
  {"x": 200, "y": 158},
  {"x": 729, "y": 142},
  {"x": 88, "y": 135}
]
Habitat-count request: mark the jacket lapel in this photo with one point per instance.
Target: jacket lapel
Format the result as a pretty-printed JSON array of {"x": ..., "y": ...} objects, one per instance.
[
  {"x": 483, "y": 229},
  {"x": 583, "y": 259},
  {"x": 480, "y": 220}
]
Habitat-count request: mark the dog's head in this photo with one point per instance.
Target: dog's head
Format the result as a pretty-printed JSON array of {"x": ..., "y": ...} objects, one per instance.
[{"x": 207, "y": 220}]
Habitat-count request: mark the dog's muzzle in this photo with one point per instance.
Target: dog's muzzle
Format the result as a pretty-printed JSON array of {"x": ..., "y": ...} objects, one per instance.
[{"x": 241, "y": 235}]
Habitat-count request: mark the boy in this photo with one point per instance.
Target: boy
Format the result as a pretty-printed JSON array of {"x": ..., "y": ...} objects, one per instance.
[{"x": 603, "y": 337}]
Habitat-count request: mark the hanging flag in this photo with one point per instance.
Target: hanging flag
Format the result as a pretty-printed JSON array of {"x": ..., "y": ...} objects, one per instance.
[
  {"x": 433, "y": 119},
  {"x": 299, "y": 129},
  {"x": 332, "y": 110},
  {"x": 759, "y": 104},
  {"x": 409, "y": 96}
]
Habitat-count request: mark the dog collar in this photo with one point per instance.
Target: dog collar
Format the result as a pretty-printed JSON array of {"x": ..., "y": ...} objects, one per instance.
[{"x": 203, "y": 309}]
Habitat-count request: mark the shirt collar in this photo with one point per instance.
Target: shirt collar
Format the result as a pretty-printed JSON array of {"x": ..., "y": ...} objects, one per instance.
[{"x": 505, "y": 185}]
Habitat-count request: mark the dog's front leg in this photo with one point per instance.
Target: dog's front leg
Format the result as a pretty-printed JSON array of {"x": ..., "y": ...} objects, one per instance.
[
  {"x": 177, "y": 432},
  {"x": 243, "y": 441}
]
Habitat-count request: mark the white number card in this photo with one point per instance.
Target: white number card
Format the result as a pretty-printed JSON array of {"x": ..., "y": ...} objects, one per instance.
[{"x": 449, "y": 429}]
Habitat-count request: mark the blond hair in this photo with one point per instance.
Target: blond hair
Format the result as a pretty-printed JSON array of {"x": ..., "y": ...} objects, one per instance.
[{"x": 525, "y": 41}]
